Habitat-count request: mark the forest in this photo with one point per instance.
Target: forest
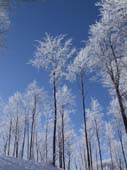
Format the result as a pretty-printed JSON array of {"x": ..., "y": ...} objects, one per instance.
[{"x": 37, "y": 124}]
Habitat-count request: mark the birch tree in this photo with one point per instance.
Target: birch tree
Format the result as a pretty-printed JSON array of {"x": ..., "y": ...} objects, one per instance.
[
  {"x": 53, "y": 54},
  {"x": 108, "y": 49},
  {"x": 78, "y": 70}
]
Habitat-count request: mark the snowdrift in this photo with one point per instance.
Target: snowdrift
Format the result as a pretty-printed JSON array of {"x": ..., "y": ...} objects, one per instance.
[{"x": 8, "y": 163}]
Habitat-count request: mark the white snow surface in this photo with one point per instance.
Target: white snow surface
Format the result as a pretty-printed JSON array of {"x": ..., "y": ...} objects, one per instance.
[{"x": 8, "y": 163}]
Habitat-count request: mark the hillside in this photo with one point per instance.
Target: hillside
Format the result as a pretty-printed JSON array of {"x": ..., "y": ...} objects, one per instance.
[{"x": 7, "y": 163}]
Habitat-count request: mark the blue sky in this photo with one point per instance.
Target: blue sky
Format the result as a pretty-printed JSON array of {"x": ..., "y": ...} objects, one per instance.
[{"x": 29, "y": 22}]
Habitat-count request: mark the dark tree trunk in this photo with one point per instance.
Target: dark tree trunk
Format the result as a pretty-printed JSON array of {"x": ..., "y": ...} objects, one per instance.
[
  {"x": 55, "y": 120},
  {"x": 116, "y": 81},
  {"x": 110, "y": 149},
  {"x": 5, "y": 146},
  {"x": 31, "y": 157},
  {"x": 91, "y": 157},
  {"x": 85, "y": 125},
  {"x": 17, "y": 137},
  {"x": 28, "y": 140},
  {"x": 122, "y": 147},
  {"x": 63, "y": 148},
  {"x": 60, "y": 148},
  {"x": 24, "y": 138},
  {"x": 69, "y": 163},
  {"x": 99, "y": 145},
  {"x": 46, "y": 141},
  {"x": 122, "y": 109},
  {"x": 9, "y": 139},
  {"x": 15, "y": 150},
  {"x": 37, "y": 150}
]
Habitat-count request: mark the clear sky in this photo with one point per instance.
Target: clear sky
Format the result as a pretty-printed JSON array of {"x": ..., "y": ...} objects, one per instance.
[{"x": 29, "y": 22}]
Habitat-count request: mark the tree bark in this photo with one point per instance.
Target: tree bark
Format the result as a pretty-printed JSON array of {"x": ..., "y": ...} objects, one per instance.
[
  {"x": 24, "y": 138},
  {"x": 122, "y": 147},
  {"x": 31, "y": 157},
  {"x": 55, "y": 119},
  {"x": 85, "y": 125},
  {"x": 9, "y": 140},
  {"x": 46, "y": 141},
  {"x": 63, "y": 147},
  {"x": 99, "y": 145}
]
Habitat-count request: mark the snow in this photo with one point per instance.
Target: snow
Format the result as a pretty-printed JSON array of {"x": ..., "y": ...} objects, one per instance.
[{"x": 8, "y": 163}]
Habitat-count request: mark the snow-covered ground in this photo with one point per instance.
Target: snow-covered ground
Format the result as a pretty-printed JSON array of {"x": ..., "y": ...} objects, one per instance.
[{"x": 7, "y": 163}]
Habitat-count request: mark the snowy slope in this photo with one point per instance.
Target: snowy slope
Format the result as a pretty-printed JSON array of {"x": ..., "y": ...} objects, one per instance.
[{"x": 7, "y": 163}]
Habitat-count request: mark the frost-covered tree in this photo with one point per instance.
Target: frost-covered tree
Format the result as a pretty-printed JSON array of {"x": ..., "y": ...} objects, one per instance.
[
  {"x": 78, "y": 70},
  {"x": 119, "y": 130},
  {"x": 34, "y": 98},
  {"x": 96, "y": 116},
  {"x": 53, "y": 54},
  {"x": 13, "y": 111},
  {"x": 65, "y": 106},
  {"x": 110, "y": 141},
  {"x": 107, "y": 44}
]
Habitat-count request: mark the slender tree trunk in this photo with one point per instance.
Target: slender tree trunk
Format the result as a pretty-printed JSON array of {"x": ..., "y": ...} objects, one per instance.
[
  {"x": 17, "y": 137},
  {"x": 69, "y": 163},
  {"x": 122, "y": 147},
  {"x": 15, "y": 150},
  {"x": 116, "y": 81},
  {"x": 122, "y": 109},
  {"x": 46, "y": 141},
  {"x": 5, "y": 146},
  {"x": 63, "y": 148},
  {"x": 32, "y": 131},
  {"x": 9, "y": 140},
  {"x": 24, "y": 138},
  {"x": 60, "y": 150},
  {"x": 84, "y": 112},
  {"x": 55, "y": 119},
  {"x": 37, "y": 150},
  {"x": 110, "y": 149},
  {"x": 28, "y": 139},
  {"x": 85, "y": 159},
  {"x": 91, "y": 157},
  {"x": 96, "y": 161},
  {"x": 99, "y": 145}
]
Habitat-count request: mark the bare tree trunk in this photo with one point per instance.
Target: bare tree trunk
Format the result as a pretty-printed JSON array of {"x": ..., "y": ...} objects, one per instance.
[
  {"x": 15, "y": 150},
  {"x": 91, "y": 157},
  {"x": 96, "y": 161},
  {"x": 24, "y": 138},
  {"x": 116, "y": 80},
  {"x": 84, "y": 112},
  {"x": 60, "y": 149},
  {"x": 85, "y": 161},
  {"x": 5, "y": 145},
  {"x": 122, "y": 147},
  {"x": 28, "y": 139},
  {"x": 110, "y": 149},
  {"x": 17, "y": 137},
  {"x": 99, "y": 145},
  {"x": 9, "y": 139},
  {"x": 31, "y": 157},
  {"x": 122, "y": 109},
  {"x": 46, "y": 141},
  {"x": 69, "y": 162},
  {"x": 63, "y": 148},
  {"x": 55, "y": 119},
  {"x": 37, "y": 150}
]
